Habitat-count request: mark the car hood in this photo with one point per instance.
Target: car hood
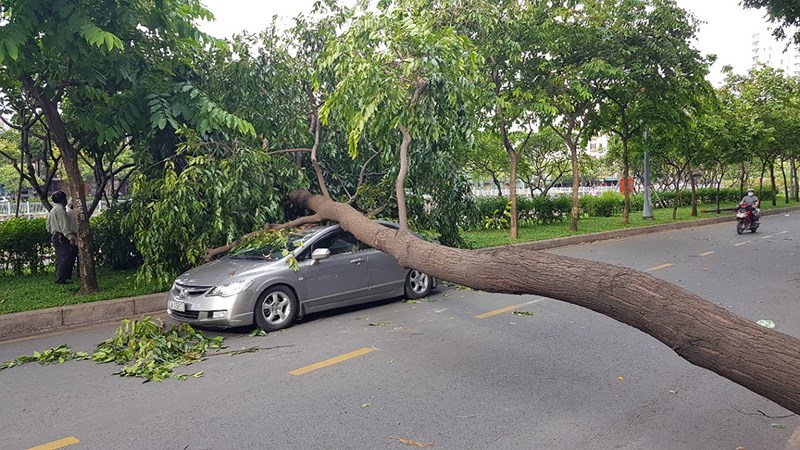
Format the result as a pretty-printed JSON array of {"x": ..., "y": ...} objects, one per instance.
[{"x": 224, "y": 269}]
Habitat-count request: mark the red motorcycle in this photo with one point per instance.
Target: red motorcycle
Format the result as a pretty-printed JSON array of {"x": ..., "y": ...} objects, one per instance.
[{"x": 746, "y": 218}]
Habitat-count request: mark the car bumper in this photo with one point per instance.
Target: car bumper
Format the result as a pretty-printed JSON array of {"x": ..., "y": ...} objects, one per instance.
[{"x": 217, "y": 312}]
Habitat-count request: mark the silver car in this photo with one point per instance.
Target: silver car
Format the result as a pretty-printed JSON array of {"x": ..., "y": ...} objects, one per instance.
[{"x": 258, "y": 285}]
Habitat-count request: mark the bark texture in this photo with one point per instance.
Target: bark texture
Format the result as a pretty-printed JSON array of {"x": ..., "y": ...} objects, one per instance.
[{"x": 765, "y": 361}]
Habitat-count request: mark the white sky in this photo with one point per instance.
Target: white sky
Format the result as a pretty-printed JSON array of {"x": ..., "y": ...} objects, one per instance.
[{"x": 727, "y": 32}]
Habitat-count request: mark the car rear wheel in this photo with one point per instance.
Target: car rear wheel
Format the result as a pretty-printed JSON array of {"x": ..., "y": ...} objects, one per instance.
[
  {"x": 418, "y": 284},
  {"x": 276, "y": 308}
]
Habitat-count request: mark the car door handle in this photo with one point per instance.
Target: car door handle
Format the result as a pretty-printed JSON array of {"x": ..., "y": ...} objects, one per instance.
[{"x": 357, "y": 261}]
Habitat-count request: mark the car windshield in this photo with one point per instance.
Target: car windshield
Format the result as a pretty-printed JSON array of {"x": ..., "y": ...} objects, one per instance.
[{"x": 272, "y": 246}]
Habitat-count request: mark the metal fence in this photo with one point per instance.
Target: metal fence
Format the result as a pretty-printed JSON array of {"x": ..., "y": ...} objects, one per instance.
[
  {"x": 30, "y": 210},
  {"x": 582, "y": 190}
]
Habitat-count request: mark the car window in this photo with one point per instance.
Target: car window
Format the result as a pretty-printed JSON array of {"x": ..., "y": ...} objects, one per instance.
[{"x": 338, "y": 243}]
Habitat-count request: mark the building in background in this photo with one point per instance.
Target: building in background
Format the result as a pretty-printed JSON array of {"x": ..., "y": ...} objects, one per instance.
[
  {"x": 598, "y": 146},
  {"x": 775, "y": 54}
]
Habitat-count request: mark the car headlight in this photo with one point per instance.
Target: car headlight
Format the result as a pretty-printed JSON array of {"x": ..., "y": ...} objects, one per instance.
[{"x": 229, "y": 288}]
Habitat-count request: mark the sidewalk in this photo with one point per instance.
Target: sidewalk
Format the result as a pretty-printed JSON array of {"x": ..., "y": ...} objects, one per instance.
[{"x": 33, "y": 323}]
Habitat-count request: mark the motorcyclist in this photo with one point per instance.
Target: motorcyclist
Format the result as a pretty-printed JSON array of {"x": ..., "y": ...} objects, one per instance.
[{"x": 751, "y": 200}]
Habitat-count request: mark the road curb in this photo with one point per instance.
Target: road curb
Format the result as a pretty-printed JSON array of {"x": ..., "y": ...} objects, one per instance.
[
  {"x": 32, "y": 323},
  {"x": 42, "y": 321}
]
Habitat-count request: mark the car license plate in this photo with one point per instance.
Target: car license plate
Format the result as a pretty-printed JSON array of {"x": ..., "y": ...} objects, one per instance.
[{"x": 176, "y": 305}]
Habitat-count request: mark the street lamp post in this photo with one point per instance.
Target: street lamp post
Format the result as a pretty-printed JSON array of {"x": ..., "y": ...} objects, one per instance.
[{"x": 647, "y": 209}]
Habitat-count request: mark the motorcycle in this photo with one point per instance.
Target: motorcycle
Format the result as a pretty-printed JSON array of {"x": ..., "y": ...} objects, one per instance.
[{"x": 745, "y": 218}]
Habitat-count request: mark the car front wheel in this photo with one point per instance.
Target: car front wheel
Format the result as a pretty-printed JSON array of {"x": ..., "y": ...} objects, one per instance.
[
  {"x": 276, "y": 308},
  {"x": 418, "y": 284}
]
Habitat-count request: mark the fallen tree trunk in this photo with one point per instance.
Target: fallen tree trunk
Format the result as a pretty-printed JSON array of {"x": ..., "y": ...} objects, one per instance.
[{"x": 765, "y": 361}]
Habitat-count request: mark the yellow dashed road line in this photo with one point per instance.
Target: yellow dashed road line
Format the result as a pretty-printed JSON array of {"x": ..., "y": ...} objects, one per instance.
[
  {"x": 663, "y": 266},
  {"x": 332, "y": 361},
  {"x": 706, "y": 253},
  {"x": 505, "y": 310},
  {"x": 497, "y": 311},
  {"x": 61, "y": 443}
]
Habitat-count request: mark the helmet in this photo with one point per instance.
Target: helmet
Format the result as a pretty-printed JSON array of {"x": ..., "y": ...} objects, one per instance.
[
  {"x": 59, "y": 197},
  {"x": 750, "y": 192}
]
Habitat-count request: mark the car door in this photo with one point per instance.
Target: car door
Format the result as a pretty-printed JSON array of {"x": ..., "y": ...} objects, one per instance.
[
  {"x": 338, "y": 280},
  {"x": 386, "y": 277}
]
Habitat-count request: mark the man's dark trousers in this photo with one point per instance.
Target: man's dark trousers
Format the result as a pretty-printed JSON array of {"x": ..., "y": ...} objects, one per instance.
[{"x": 65, "y": 258}]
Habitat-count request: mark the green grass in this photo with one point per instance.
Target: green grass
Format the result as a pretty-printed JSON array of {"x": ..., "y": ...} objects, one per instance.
[
  {"x": 29, "y": 292},
  {"x": 494, "y": 238}
]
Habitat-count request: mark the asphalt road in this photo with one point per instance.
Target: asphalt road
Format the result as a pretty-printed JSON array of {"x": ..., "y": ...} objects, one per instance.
[{"x": 460, "y": 371}]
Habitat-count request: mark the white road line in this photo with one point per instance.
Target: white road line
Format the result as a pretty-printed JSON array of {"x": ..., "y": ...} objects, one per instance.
[
  {"x": 706, "y": 253},
  {"x": 741, "y": 243},
  {"x": 766, "y": 237},
  {"x": 783, "y": 232}
]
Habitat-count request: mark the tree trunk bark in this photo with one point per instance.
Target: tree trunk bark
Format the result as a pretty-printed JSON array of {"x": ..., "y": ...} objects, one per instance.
[
  {"x": 497, "y": 184},
  {"x": 785, "y": 180},
  {"x": 742, "y": 174},
  {"x": 400, "y": 184},
  {"x": 693, "y": 184},
  {"x": 576, "y": 180},
  {"x": 793, "y": 169},
  {"x": 773, "y": 186},
  {"x": 70, "y": 157},
  {"x": 512, "y": 190},
  {"x": 763, "y": 360}
]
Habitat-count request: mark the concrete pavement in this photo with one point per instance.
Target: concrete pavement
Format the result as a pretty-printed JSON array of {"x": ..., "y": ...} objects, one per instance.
[{"x": 43, "y": 321}]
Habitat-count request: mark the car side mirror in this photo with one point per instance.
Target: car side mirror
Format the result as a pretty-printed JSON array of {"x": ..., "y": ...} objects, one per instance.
[{"x": 320, "y": 253}]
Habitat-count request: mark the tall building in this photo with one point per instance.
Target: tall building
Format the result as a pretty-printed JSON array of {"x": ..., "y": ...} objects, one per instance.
[
  {"x": 771, "y": 53},
  {"x": 598, "y": 146}
]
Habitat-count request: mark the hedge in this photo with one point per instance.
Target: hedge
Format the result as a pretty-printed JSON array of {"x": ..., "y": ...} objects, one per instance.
[
  {"x": 24, "y": 246},
  {"x": 494, "y": 212}
]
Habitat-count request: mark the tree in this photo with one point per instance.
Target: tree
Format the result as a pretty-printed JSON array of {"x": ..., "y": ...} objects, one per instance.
[
  {"x": 769, "y": 104},
  {"x": 86, "y": 52},
  {"x": 545, "y": 161},
  {"x": 396, "y": 70},
  {"x": 648, "y": 55}
]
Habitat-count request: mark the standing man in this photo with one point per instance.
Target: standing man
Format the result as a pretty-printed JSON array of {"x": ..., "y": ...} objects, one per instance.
[{"x": 64, "y": 237}]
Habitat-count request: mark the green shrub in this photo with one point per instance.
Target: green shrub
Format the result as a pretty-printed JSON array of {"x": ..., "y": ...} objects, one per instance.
[
  {"x": 605, "y": 205},
  {"x": 113, "y": 240},
  {"x": 547, "y": 209},
  {"x": 499, "y": 219},
  {"x": 24, "y": 246}
]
